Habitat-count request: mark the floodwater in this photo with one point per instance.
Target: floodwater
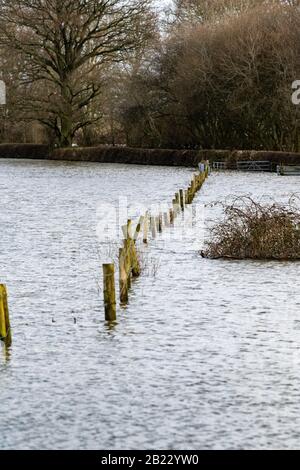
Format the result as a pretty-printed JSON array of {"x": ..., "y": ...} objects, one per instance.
[{"x": 206, "y": 355}]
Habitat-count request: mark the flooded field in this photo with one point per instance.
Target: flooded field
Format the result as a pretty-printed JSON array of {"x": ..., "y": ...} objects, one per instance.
[{"x": 206, "y": 356}]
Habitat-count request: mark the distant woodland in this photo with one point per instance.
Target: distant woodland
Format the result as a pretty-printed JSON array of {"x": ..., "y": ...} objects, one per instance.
[{"x": 202, "y": 74}]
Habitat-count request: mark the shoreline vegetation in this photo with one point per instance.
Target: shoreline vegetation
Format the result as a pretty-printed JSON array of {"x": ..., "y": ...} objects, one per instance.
[
  {"x": 142, "y": 156},
  {"x": 256, "y": 230}
]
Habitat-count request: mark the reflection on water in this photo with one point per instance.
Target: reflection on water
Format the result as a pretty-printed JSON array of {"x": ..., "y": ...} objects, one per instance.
[
  {"x": 6, "y": 352},
  {"x": 206, "y": 355}
]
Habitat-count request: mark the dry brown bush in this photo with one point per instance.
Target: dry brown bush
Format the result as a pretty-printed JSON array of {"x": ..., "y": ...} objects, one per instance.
[{"x": 254, "y": 230}]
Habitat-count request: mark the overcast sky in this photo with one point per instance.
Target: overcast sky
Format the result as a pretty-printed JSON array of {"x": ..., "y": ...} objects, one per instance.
[{"x": 163, "y": 3}]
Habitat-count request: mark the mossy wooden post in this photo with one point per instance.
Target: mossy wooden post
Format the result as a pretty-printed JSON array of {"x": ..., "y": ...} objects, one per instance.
[
  {"x": 123, "y": 277},
  {"x": 174, "y": 209},
  {"x": 129, "y": 229},
  {"x": 156, "y": 223},
  {"x": 110, "y": 304},
  {"x": 207, "y": 168},
  {"x": 125, "y": 231},
  {"x": 5, "y": 333},
  {"x": 181, "y": 196},
  {"x": 3, "y": 330},
  {"x": 128, "y": 261},
  {"x": 171, "y": 212},
  {"x": 176, "y": 203},
  {"x": 190, "y": 195},
  {"x": 201, "y": 179},
  {"x": 139, "y": 227},
  {"x": 186, "y": 197},
  {"x": 135, "y": 265}
]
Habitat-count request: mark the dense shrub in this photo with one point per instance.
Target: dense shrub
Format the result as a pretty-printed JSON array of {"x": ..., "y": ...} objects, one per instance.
[
  {"x": 29, "y": 151},
  {"x": 110, "y": 154},
  {"x": 256, "y": 231},
  {"x": 141, "y": 156}
]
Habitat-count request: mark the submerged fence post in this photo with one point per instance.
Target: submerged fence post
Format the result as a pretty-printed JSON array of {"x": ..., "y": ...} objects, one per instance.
[
  {"x": 123, "y": 277},
  {"x": 134, "y": 261},
  {"x": 186, "y": 197},
  {"x": 190, "y": 198},
  {"x": 139, "y": 227},
  {"x": 171, "y": 212},
  {"x": 146, "y": 228},
  {"x": 136, "y": 269},
  {"x": 181, "y": 195},
  {"x": 110, "y": 303},
  {"x": 128, "y": 261},
  {"x": 174, "y": 208},
  {"x": 176, "y": 204},
  {"x": 160, "y": 223},
  {"x": 153, "y": 227},
  {"x": 177, "y": 200},
  {"x": 5, "y": 333}
]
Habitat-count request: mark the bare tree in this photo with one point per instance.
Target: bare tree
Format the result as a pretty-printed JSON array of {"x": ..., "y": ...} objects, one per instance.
[
  {"x": 212, "y": 10},
  {"x": 221, "y": 84},
  {"x": 64, "y": 45}
]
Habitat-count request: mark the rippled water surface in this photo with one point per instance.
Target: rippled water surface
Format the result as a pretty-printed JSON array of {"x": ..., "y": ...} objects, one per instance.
[{"x": 205, "y": 356}]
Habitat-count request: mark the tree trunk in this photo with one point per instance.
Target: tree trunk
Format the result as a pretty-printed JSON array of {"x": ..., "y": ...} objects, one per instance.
[{"x": 66, "y": 134}]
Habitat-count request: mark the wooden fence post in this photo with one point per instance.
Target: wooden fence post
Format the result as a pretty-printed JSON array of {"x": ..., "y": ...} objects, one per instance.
[
  {"x": 139, "y": 227},
  {"x": 176, "y": 204},
  {"x": 153, "y": 226},
  {"x": 160, "y": 223},
  {"x": 128, "y": 261},
  {"x": 190, "y": 196},
  {"x": 146, "y": 228},
  {"x": 123, "y": 275},
  {"x": 171, "y": 217},
  {"x": 5, "y": 333},
  {"x": 110, "y": 304},
  {"x": 134, "y": 262},
  {"x": 186, "y": 197},
  {"x": 136, "y": 270},
  {"x": 177, "y": 199},
  {"x": 181, "y": 196},
  {"x": 174, "y": 209},
  {"x": 129, "y": 229}
]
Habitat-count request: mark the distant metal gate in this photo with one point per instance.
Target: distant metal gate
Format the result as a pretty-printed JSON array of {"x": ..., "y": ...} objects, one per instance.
[
  {"x": 254, "y": 166},
  {"x": 288, "y": 170},
  {"x": 219, "y": 166}
]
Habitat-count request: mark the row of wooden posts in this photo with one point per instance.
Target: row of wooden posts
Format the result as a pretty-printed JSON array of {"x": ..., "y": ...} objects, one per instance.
[{"x": 129, "y": 265}]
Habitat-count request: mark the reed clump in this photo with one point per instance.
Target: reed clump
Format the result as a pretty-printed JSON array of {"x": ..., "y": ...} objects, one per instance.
[{"x": 256, "y": 230}]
